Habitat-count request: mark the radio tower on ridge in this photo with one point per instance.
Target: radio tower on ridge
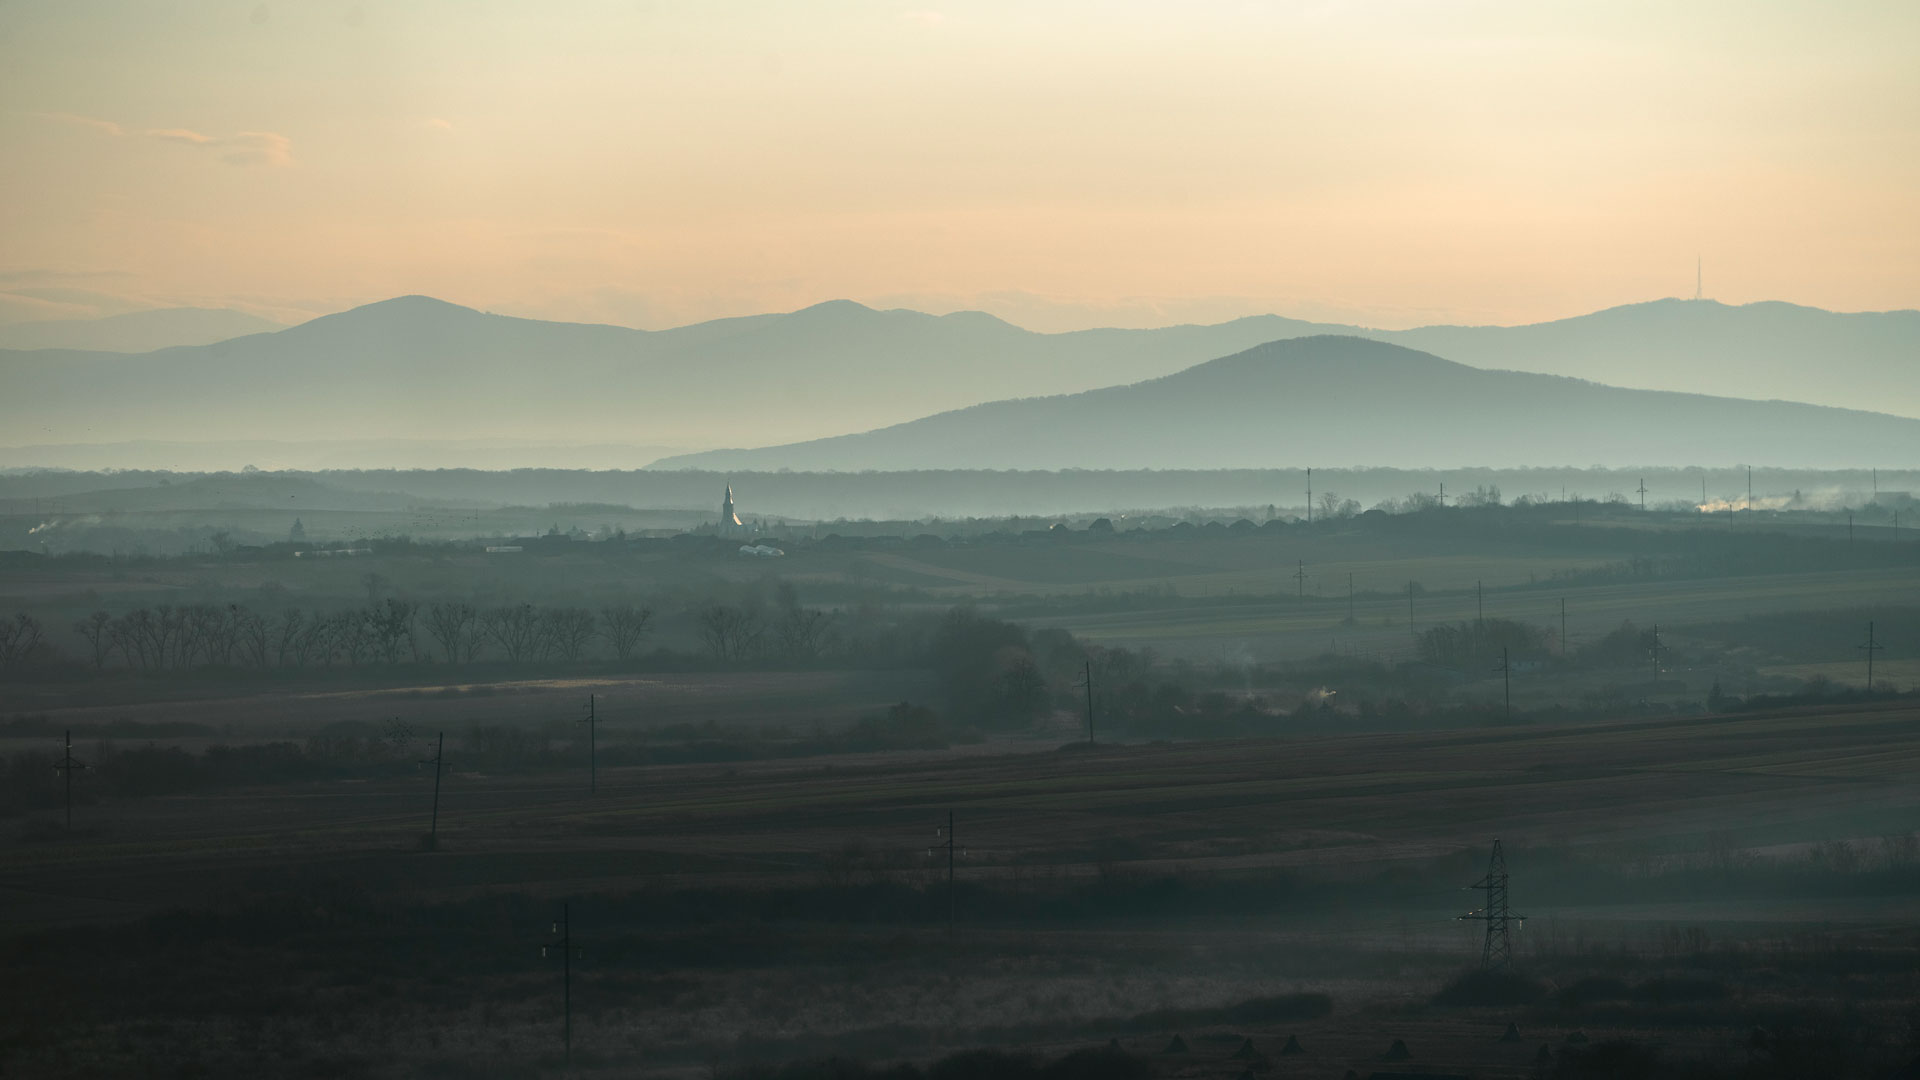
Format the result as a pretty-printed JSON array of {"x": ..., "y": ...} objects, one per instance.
[{"x": 1698, "y": 293}]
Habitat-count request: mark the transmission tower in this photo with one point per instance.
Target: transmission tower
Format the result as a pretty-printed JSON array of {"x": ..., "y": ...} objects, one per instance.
[{"x": 1497, "y": 953}]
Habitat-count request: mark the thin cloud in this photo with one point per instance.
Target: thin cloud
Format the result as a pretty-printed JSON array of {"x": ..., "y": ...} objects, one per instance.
[
  {"x": 106, "y": 127},
  {"x": 241, "y": 148},
  {"x": 244, "y": 148}
]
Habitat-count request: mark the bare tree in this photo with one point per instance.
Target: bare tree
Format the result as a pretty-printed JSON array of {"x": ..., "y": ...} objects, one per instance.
[
  {"x": 349, "y": 636},
  {"x": 624, "y": 625},
  {"x": 516, "y": 629},
  {"x": 133, "y": 633},
  {"x": 804, "y": 632},
  {"x": 729, "y": 632},
  {"x": 19, "y": 637},
  {"x": 391, "y": 625},
  {"x": 252, "y": 636},
  {"x": 97, "y": 630},
  {"x": 565, "y": 632},
  {"x": 455, "y": 626},
  {"x": 290, "y": 638}
]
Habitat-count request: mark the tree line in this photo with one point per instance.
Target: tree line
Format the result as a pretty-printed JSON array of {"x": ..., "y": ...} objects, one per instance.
[{"x": 171, "y": 637}]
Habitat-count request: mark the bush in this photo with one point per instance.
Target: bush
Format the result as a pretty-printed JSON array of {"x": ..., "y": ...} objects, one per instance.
[
  {"x": 1490, "y": 988},
  {"x": 1592, "y": 989}
]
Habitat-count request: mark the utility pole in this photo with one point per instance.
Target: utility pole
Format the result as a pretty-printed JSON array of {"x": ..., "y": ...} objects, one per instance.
[
  {"x": 1643, "y": 494},
  {"x": 1497, "y": 953},
  {"x": 1300, "y": 579},
  {"x": 1749, "y": 493},
  {"x": 949, "y": 845},
  {"x": 1563, "y": 626},
  {"x": 1655, "y": 652},
  {"x": 1088, "y": 683},
  {"x": 1410, "y": 630},
  {"x": 66, "y": 767},
  {"x": 1870, "y": 648},
  {"x": 1479, "y": 603},
  {"x": 1849, "y": 528},
  {"x": 438, "y": 763},
  {"x": 1309, "y": 496},
  {"x": 1350, "y": 598},
  {"x": 563, "y": 941},
  {"x": 593, "y": 749},
  {"x": 1443, "y": 493},
  {"x": 1506, "y": 683}
]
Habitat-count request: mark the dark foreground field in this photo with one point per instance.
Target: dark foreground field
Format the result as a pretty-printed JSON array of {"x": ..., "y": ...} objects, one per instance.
[{"x": 1687, "y": 881}]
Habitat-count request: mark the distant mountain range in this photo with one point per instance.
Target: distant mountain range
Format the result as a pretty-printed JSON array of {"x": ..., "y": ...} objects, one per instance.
[
  {"x": 1349, "y": 401},
  {"x": 135, "y": 332},
  {"x": 416, "y": 371}
]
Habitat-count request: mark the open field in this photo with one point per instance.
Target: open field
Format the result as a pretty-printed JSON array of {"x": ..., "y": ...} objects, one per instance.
[
  {"x": 627, "y": 706},
  {"x": 1338, "y": 804},
  {"x": 1098, "y": 886},
  {"x": 1288, "y": 628}
]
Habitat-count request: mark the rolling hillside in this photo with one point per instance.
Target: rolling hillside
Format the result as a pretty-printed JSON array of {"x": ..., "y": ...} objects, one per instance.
[{"x": 1347, "y": 401}]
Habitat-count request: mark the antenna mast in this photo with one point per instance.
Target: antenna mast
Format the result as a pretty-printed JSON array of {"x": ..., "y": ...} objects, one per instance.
[{"x": 1698, "y": 292}]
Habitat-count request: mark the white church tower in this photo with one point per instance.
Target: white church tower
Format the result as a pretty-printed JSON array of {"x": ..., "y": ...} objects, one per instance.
[{"x": 729, "y": 521}]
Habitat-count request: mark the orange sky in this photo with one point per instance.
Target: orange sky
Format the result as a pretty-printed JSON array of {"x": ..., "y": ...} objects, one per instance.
[{"x": 1060, "y": 164}]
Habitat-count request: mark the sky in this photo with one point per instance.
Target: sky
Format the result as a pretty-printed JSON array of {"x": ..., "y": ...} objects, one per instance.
[{"x": 1060, "y": 164}]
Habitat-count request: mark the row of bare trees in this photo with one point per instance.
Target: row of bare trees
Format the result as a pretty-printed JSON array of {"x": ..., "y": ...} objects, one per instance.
[{"x": 170, "y": 637}]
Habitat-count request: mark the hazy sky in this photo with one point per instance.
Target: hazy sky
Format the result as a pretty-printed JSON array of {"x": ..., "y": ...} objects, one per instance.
[{"x": 1059, "y": 163}]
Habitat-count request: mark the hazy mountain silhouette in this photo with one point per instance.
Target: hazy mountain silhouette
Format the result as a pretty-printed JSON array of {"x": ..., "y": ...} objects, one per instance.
[
  {"x": 1864, "y": 360},
  {"x": 138, "y": 331},
  {"x": 1349, "y": 401},
  {"x": 416, "y": 370}
]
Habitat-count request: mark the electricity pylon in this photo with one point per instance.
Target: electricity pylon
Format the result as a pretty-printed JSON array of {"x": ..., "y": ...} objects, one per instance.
[
  {"x": 1870, "y": 648},
  {"x": 563, "y": 944},
  {"x": 1497, "y": 953},
  {"x": 68, "y": 764}
]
